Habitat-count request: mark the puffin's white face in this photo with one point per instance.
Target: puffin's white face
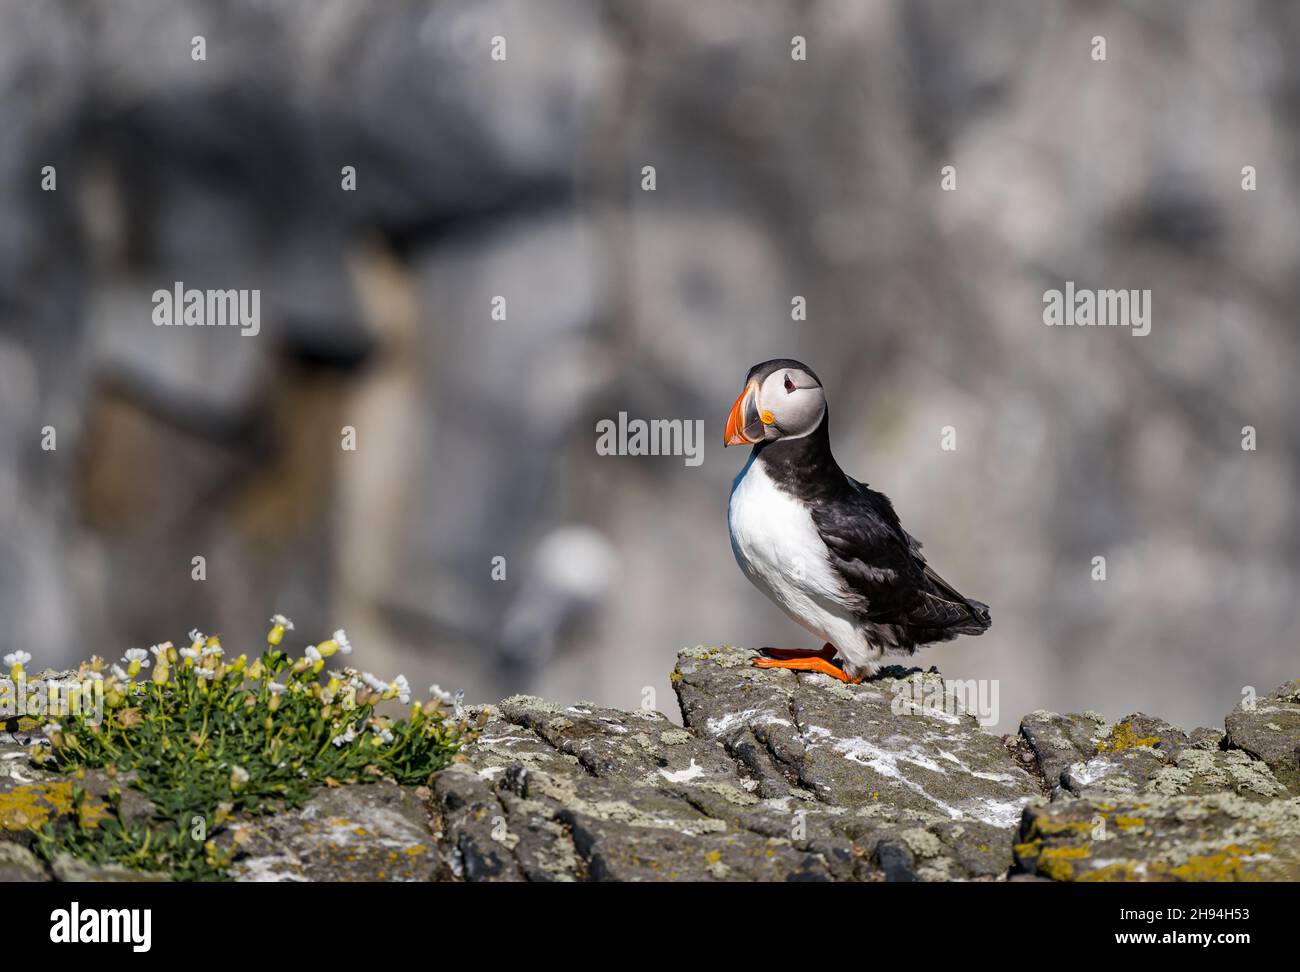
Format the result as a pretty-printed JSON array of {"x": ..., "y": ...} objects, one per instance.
[{"x": 786, "y": 404}]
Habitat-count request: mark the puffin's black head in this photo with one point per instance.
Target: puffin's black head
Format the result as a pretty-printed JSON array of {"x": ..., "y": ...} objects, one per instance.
[{"x": 783, "y": 399}]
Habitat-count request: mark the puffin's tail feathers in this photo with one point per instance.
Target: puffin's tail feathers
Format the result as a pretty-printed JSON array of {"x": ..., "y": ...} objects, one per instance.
[
  {"x": 980, "y": 618},
  {"x": 971, "y": 617}
]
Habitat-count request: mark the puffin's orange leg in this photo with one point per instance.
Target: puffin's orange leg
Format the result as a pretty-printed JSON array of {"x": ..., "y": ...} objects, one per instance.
[
  {"x": 808, "y": 665},
  {"x": 826, "y": 651}
]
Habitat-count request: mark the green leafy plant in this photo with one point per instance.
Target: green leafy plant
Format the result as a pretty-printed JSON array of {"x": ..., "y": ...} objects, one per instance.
[{"x": 210, "y": 740}]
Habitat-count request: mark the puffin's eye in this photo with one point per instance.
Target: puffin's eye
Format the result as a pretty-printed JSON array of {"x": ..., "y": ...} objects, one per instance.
[{"x": 789, "y": 385}]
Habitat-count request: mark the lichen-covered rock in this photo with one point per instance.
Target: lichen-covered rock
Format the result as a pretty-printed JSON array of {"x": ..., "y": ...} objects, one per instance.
[
  {"x": 905, "y": 742},
  {"x": 1202, "y": 770},
  {"x": 31, "y": 799},
  {"x": 1084, "y": 755},
  {"x": 775, "y": 776},
  {"x": 1269, "y": 729},
  {"x": 25, "y": 806},
  {"x": 1213, "y": 837},
  {"x": 583, "y": 792},
  {"x": 366, "y": 832}
]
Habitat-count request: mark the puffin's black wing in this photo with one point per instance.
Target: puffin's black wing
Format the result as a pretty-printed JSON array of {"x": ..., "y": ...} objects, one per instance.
[{"x": 882, "y": 565}]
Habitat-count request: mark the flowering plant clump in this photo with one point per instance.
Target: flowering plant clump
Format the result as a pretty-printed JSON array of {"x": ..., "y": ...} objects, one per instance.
[{"x": 207, "y": 739}]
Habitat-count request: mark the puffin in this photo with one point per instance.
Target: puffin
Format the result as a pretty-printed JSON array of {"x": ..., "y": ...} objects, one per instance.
[{"x": 829, "y": 550}]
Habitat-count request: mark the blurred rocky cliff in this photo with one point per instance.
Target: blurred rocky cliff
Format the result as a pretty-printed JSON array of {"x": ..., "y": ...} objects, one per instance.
[{"x": 522, "y": 178}]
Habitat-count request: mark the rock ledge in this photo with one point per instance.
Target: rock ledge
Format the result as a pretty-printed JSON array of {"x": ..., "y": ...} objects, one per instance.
[{"x": 782, "y": 776}]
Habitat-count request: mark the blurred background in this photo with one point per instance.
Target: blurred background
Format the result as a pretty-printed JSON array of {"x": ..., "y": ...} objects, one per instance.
[{"x": 775, "y": 178}]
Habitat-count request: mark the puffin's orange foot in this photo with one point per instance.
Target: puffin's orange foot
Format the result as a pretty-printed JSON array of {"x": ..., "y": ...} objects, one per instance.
[
  {"x": 817, "y": 664},
  {"x": 826, "y": 651}
]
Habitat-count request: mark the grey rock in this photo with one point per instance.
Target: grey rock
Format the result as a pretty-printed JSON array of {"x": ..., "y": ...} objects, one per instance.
[
  {"x": 775, "y": 776},
  {"x": 130, "y": 804},
  {"x": 368, "y": 832},
  {"x": 16, "y": 768},
  {"x": 1058, "y": 741},
  {"x": 68, "y": 868},
  {"x": 583, "y": 792},
  {"x": 1086, "y": 756},
  {"x": 810, "y": 737},
  {"x": 19, "y": 864},
  {"x": 1270, "y": 731},
  {"x": 480, "y": 849}
]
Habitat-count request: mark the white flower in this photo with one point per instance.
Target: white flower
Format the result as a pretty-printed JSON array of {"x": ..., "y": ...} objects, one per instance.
[
  {"x": 403, "y": 689},
  {"x": 197, "y": 635},
  {"x": 17, "y": 658},
  {"x": 190, "y": 653},
  {"x": 313, "y": 654},
  {"x": 208, "y": 673},
  {"x": 213, "y": 650},
  {"x": 378, "y": 684},
  {"x": 275, "y": 688},
  {"x": 345, "y": 737},
  {"x": 50, "y": 728},
  {"x": 440, "y": 693},
  {"x": 137, "y": 655},
  {"x": 281, "y": 620},
  {"x": 120, "y": 674},
  {"x": 385, "y": 734},
  {"x": 157, "y": 650},
  {"x": 341, "y": 637},
  {"x": 238, "y": 775}
]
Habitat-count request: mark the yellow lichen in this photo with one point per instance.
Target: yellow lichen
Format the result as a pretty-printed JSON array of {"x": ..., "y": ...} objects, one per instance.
[
  {"x": 90, "y": 813},
  {"x": 1047, "y": 827},
  {"x": 1230, "y": 864},
  {"x": 28, "y": 807},
  {"x": 1060, "y": 853},
  {"x": 1122, "y": 737},
  {"x": 1057, "y": 870},
  {"x": 1057, "y": 863},
  {"x": 1118, "y": 871},
  {"x": 1213, "y": 867}
]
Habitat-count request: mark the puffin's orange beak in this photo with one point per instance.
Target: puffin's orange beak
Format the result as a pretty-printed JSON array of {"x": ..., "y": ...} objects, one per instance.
[{"x": 743, "y": 424}]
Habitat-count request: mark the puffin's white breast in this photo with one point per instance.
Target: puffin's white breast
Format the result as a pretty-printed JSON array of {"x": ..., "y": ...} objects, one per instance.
[{"x": 777, "y": 546}]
